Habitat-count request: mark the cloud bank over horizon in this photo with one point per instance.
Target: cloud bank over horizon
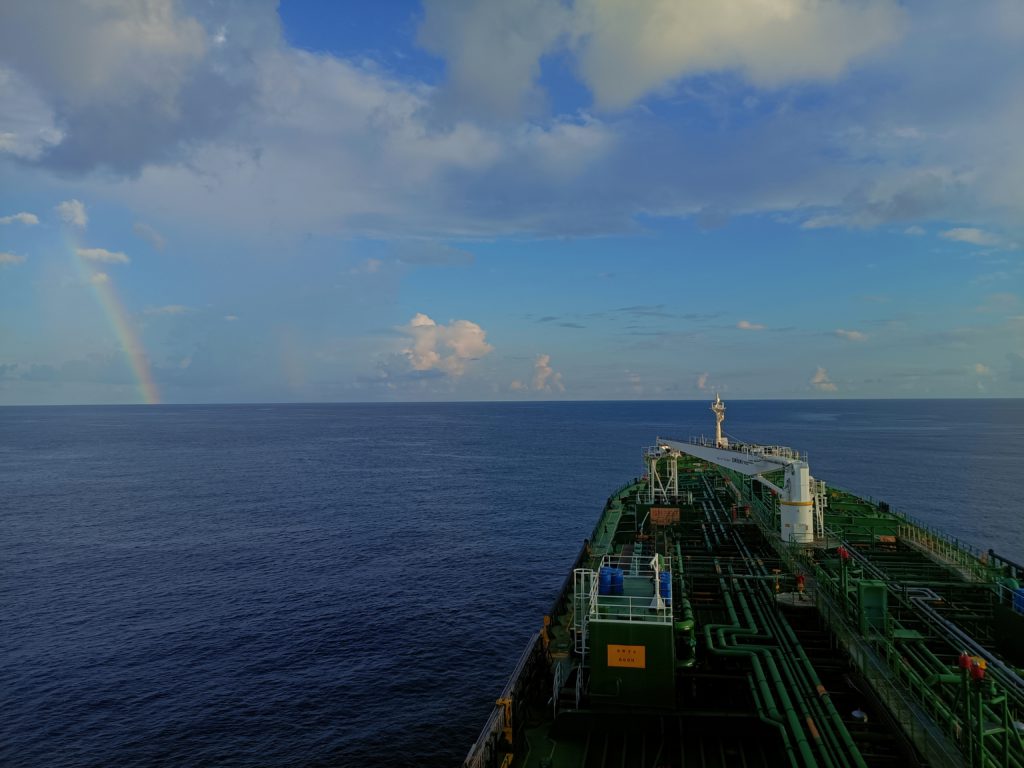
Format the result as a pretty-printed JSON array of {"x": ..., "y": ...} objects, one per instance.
[{"x": 327, "y": 174}]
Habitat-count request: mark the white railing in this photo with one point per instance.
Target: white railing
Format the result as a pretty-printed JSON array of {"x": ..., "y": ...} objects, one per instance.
[
  {"x": 651, "y": 610},
  {"x": 630, "y": 608},
  {"x": 753, "y": 449}
]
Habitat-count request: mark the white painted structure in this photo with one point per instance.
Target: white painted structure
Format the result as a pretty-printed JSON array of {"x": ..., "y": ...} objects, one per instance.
[
  {"x": 801, "y": 500},
  {"x": 718, "y": 407}
]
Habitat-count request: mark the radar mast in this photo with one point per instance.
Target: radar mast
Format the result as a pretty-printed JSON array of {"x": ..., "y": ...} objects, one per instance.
[{"x": 719, "y": 409}]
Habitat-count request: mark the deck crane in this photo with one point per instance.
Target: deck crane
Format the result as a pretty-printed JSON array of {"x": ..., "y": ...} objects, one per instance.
[{"x": 800, "y": 498}]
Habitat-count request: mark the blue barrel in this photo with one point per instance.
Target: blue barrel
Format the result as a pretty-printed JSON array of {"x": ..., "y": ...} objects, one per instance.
[
  {"x": 1018, "y": 600},
  {"x": 665, "y": 583},
  {"x": 618, "y": 581},
  {"x": 604, "y": 581}
]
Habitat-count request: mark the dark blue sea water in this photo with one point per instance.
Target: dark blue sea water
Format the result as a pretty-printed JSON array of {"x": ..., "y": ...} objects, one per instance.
[{"x": 304, "y": 585}]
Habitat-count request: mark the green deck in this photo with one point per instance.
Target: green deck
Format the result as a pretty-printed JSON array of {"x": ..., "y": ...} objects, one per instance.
[{"x": 739, "y": 676}]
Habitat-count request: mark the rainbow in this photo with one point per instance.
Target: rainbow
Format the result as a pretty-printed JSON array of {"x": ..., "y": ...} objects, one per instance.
[{"x": 121, "y": 323}]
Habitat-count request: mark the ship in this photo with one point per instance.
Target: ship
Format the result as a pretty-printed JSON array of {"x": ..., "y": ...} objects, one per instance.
[{"x": 730, "y": 609}]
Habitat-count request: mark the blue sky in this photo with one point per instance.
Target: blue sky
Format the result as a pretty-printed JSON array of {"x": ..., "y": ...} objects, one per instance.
[{"x": 240, "y": 201}]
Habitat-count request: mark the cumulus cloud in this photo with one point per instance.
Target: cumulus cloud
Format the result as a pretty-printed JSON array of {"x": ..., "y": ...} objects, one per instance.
[
  {"x": 821, "y": 381},
  {"x": 444, "y": 348},
  {"x": 545, "y": 377},
  {"x": 29, "y": 219},
  {"x": 128, "y": 82},
  {"x": 204, "y": 111},
  {"x": 150, "y": 235},
  {"x": 493, "y": 50},
  {"x": 627, "y": 50},
  {"x": 517, "y": 385},
  {"x": 746, "y": 325},
  {"x": 851, "y": 335},
  {"x": 231, "y": 318},
  {"x": 102, "y": 255},
  {"x": 10, "y": 259},
  {"x": 73, "y": 212},
  {"x": 982, "y": 370},
  {"x": 702, "y": 381},
  {"x": 971, "y": 235}
]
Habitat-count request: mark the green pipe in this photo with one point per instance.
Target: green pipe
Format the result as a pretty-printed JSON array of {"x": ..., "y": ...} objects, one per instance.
[
  {"x": 824, "y": 710},
  {"x": 790, "y": 677},
  {"x": 768, "y": 619},
  {"x": 686, "y": 626},
  {"x": 786, "y": 742},
  {"x": 751, "y": 653},
  {"x": 849, "y": 746}
]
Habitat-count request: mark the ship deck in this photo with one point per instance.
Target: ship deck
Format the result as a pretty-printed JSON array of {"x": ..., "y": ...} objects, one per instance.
[{"x": 846, "y": 653}]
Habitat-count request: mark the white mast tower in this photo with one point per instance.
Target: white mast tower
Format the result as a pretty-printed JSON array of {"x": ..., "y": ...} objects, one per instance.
[{"x": 719, "y": 410}]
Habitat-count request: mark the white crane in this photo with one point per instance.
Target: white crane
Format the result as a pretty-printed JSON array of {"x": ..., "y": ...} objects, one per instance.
[{"x": 796, "y": 499}]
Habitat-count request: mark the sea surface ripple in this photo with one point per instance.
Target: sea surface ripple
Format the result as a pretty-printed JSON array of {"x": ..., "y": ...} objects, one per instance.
[{"x": 314, "y": 585}]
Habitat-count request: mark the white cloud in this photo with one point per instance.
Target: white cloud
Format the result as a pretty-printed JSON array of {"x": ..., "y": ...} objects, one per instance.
[
  {"x": 117, "y": 75},
  {"x": 73, "y": 212},
  {"x": 493, "y": 51},
  {"x": 914, "y": 230},
  {"x": 821, "y": 382},
  {"x": 517, "y": 385},
  {"x": 566, "y": 147},
  {"x": 446, "y": 348},
  {"x": 27, "y": 123},
  {"x": 10, "y": 259},
  {"x": 545, "y": 377},
  {"x": 971, "y": 235},
  {"x": 982, "y": 370},
  {"x": 150, "y": 235},
  {"x": 207, "y": 127},
  {"x": 29, "y": 219},
  {"x": 624, "y": 51},
  {"x": 627, "y": 50},
  {"x": 702, "y": 381},
  {"x": 99, "y": 278},
  {"x": 368, "y": 158},
  {"x": 231, "y": 318},
  {"x": 746, "y": 325},
  {"x": 851, "y": 335},
  {"x": 102, "y": 255}
]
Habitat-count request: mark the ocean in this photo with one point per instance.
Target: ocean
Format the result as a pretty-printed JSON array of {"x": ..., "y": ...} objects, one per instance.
[{"x": 347, "y": 585}]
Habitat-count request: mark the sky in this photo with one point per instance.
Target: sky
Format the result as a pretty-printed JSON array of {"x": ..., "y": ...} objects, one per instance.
[{"x": 246, "y": 201}]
